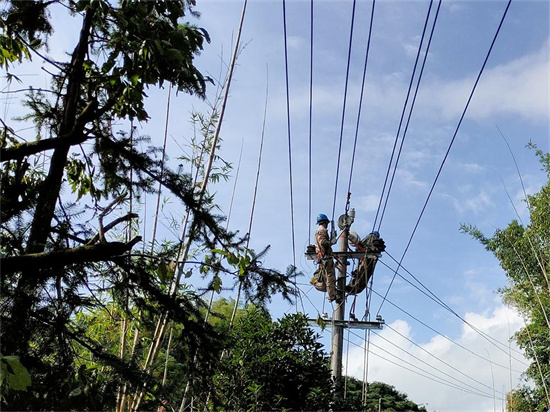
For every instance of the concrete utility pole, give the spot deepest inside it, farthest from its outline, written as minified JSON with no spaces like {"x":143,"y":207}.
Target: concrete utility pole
{"x":338,"y":315}
{"x":337,"y":322}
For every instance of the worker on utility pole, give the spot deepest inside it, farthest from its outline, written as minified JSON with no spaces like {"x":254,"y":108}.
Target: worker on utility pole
{"x":323,"y":248}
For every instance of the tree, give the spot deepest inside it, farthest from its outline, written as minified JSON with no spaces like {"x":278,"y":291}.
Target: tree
{"x":379,"y":396}
{"x":60,"y":256}
{"x":386,"y":397}
{"x":523,"y":251}
{"x":273,"y":365}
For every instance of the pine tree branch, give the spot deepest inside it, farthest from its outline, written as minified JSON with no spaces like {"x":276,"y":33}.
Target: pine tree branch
{"x":89,"y":253}
{"x":109,"y":226}
{"x":74,"y":137}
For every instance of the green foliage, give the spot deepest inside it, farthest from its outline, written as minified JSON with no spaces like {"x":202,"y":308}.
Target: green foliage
{"x":379,"y":396}
{"x":12,"y":50}
{"x":13,"y":375}
{"x":389,"y":399}
{"x":276,"y":365}
{"x":73,"y":324}
{"x":524,"y":253}
{"x":525,"y":399}
{"x":22,"y":27}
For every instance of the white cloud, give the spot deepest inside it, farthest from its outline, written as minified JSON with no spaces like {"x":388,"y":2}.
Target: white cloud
{"x":455,"y":5}
{"x":294,"y":42}
{"x":519,"y":87}
{"x":470,"y":202}
{"x":368,"y":203}
{"x":411,"y":49}
{"x":472,"y":168}
{"x":479,"y":203}
{"x":477,"y":288}
{"x":467,"y":373}
{"x":409,"y":179}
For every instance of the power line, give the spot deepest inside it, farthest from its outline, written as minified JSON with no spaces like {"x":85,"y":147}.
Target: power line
{"x":343,"y":109}
{"x":438,"y":380}
{"x":415,"y":371}
{"x":310,"y":118}
{"x":361,"y":96}
{"x":444,"y":336}
{"x":440,"y":302}
{"x":448,"y":149}
{"x":468,"y":388}
{"x":432,"y":355}
{"x":289,"y":140}
{"x":410,"y":113}
{"x":403,"y":113}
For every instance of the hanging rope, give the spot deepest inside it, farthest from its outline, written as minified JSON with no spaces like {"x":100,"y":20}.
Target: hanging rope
{"x":448,"y":150}
{"x":366,"y":340}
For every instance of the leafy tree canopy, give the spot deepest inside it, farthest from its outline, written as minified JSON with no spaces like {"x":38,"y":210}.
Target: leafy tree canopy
{"x":523,"y":250}
{"x":69,"y":207}
{"x":273,"y":365}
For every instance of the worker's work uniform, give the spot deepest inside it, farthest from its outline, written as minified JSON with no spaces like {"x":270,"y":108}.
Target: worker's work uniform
{"x":326,"y":264}
{"x":372,"y":244}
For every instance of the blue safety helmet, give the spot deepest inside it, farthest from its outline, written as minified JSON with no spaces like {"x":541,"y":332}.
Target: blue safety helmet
{"x":322,"y":218}
{"x":375,"y":233}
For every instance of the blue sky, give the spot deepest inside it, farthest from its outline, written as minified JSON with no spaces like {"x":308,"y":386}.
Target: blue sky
{"x":513,"y":94}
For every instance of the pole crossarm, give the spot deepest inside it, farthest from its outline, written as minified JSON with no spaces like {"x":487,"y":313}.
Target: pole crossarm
{"x":354,"y":255}
{"x":352,"y":324}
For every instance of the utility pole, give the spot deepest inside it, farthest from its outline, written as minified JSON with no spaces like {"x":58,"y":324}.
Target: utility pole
{"x":338,"y":315}
{"x":337,"y":322}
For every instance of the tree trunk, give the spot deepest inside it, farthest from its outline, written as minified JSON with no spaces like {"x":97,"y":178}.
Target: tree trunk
{"x":29,"y":283}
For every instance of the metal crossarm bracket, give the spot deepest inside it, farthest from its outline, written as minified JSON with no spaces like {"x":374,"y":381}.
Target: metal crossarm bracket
{"x":352,"y":324}
{"x":354,"y":255}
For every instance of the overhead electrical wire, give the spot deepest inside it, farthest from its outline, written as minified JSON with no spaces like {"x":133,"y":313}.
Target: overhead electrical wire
{"x":343,"y":109}
{"x":428,"y":375}
{"x":438,"y":380}
{"x":310,"y":119}
{"x":289,"y":134}
{"x":444,"y":336}
{"x":367,"y":335}
{"x":437,"y":300}
{"x":361,"y":95}
{"x":435,"y":357}
{"x":410,"y":114}
{"x":448,"y":149}
{"x":356,"y":134}
{"x":467,"y":387}
{"x":403,"y":113}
